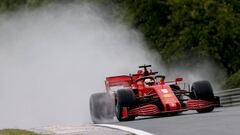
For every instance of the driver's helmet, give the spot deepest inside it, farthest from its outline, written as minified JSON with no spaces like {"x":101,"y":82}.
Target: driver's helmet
{"x":149,"y":82}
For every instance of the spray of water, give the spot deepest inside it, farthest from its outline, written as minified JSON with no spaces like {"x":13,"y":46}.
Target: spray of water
{"x":195,"y":70}
{"x":53,"y":58}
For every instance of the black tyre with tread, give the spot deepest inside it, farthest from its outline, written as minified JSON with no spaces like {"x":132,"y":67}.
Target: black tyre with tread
{"x":101,"y":107}
{"x":125,"y":98}
{"x":202,"y":90}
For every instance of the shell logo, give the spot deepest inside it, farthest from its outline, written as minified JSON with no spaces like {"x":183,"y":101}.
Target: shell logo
{"x":167,"y":95}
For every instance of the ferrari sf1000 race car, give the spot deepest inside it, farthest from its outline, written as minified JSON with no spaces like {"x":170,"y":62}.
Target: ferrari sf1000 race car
{"x":147,"y":93}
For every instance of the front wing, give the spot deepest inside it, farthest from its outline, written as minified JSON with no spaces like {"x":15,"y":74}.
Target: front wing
{"x":152,"y":109}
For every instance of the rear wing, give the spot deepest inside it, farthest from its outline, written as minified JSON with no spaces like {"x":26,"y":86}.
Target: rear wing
{"x":122,"y":80}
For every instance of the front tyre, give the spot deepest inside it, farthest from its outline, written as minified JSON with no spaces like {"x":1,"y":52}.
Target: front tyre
{"x":125,"y":98}
{"x":202,"y":90}
{"x":101,"y":107}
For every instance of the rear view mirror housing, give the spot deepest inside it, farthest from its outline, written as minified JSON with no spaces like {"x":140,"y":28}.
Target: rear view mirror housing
{"x":179,"y":79}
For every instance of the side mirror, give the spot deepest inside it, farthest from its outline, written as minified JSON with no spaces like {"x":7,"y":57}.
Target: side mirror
{"x":179,"y":79}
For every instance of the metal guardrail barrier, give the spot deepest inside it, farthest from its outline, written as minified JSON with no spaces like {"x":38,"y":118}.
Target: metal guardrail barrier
{"x":229,"y":97}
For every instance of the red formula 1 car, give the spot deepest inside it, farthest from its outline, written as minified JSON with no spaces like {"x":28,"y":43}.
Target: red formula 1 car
{"x":147,"y":93}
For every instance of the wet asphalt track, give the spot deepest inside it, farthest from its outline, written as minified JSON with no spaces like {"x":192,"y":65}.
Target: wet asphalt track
{"x":223,"y":121}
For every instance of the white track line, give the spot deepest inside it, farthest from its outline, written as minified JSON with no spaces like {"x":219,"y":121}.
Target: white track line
{"x":128,"y":129}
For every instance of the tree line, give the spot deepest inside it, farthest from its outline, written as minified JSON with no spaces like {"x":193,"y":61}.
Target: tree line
{"x":178,"y":29}
{"x":189,"y":29}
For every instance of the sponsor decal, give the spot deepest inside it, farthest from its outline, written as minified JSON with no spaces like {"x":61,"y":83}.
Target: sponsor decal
{"x":167,"y":95}
{"x":164,"y":90}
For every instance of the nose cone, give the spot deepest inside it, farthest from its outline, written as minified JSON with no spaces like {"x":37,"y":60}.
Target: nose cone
{"x":173,"y":105}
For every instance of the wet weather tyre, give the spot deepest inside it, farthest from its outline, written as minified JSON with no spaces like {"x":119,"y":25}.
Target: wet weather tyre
{"x":202,"y":90}
{"x":205,"y":110}
{"x":125,"y":98}
{"x":101,"y":107}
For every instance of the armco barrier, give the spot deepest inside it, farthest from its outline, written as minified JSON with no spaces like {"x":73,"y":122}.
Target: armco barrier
{"x":229,"y":97}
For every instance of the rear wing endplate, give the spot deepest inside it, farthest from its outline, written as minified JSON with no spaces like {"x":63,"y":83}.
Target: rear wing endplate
{"x":122,"y":80}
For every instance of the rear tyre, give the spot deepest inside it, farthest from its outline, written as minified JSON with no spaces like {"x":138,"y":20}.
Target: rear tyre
{"x":202,"y":90}
{"x":125,"y":98}
{"x":101,"y":107}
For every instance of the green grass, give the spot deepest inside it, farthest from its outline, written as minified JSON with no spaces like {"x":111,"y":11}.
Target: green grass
{"x":16,"y":132}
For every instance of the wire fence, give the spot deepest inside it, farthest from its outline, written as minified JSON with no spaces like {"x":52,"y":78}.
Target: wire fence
{"x":229,"y":97}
